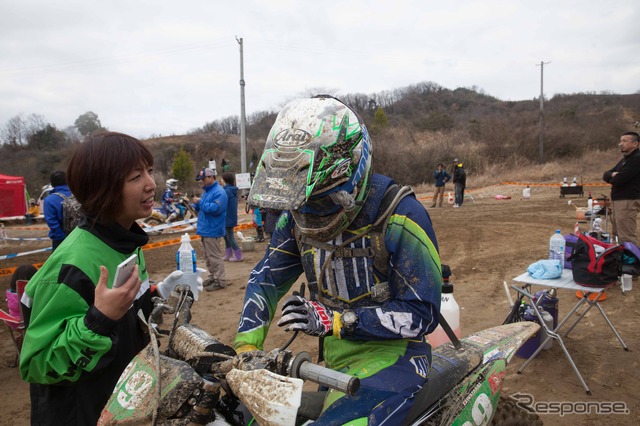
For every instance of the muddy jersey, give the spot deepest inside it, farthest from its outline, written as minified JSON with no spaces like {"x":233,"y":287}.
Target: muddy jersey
{"x":385,"y":324}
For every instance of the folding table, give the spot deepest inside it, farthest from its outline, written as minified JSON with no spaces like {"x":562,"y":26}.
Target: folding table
{"x":565,"y":282}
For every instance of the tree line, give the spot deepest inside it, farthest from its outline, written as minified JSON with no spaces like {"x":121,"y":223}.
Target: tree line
{"x":33,"y":131}
{"x":413,"y":129}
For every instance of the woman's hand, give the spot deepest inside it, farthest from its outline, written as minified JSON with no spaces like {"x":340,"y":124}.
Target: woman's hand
{"x":115,"y":302}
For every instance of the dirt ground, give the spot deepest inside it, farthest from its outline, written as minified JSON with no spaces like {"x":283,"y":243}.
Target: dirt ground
{"x":486,"y":242}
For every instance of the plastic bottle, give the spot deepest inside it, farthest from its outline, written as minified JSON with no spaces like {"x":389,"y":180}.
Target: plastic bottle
{"x":627,"y":282}
{"x":526,"y":193}
{"x":186,"y":256}
{"x":450,"y":311}
{"x":556,"y":247}
{"x":548,"y":301}
{"x":450,"y":198}
{"x":548,"y":320}
{"x":590,"y":204}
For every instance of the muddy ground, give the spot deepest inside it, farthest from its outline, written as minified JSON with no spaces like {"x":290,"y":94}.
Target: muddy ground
{"x":485,"y":242}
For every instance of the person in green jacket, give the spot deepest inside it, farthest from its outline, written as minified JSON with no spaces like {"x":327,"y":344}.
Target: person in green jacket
{"x":81,"y":332}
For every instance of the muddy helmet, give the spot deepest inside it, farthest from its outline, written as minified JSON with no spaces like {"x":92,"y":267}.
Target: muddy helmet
{"x":172,"y":184}
{"x":317,"y":164}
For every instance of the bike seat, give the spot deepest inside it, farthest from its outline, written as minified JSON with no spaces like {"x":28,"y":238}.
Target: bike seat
{"x":448,"y":367}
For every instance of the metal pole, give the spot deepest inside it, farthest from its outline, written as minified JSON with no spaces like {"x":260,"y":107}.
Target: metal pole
{"x":541,"y":133}
{"x":243,"y":135}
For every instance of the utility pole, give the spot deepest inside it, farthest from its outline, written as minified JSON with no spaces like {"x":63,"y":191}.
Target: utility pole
{"x":541,"y":134}
{"x":243,"y":135}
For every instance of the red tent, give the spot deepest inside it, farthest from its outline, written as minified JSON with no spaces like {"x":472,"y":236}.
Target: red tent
{"x":12,"y":196}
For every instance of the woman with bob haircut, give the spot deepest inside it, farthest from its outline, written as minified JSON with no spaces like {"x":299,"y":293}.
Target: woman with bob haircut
{"x":81,"y":332}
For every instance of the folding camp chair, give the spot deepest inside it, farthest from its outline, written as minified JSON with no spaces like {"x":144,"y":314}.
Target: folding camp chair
{"x":15,"y":325}
{"x":17,"y":333}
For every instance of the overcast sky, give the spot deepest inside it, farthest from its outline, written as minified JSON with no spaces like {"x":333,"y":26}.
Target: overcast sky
{"x":166,"y":67}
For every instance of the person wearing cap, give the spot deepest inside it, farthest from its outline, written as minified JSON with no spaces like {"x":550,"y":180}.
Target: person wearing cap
{"x":212,"y":213}
{"x":33,"y":212}
{"x":459,"y":182}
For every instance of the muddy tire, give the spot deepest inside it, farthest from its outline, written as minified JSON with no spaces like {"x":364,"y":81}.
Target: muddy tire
{"x":508,"y":413}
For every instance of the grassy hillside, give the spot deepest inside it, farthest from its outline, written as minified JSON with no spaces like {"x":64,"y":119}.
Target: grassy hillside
{"x":425,"y":124}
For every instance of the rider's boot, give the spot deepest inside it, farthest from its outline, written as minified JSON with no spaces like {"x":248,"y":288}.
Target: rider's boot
{"x":238,"y":256}
{"x":171,"y":217}
{"x":228,"y":253}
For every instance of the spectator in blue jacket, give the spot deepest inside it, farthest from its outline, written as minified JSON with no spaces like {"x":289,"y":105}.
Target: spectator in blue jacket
{"x":441,"y":176}
{"x":53,"y":207}
{"x":232,"y":252}
{"x":212,"y":211}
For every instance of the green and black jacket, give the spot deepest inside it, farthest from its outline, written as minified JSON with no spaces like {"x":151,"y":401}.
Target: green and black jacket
{"x":72,"y":354}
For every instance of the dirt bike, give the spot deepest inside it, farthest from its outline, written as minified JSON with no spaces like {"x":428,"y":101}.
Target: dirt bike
{"x":159,"y":215}
{"x":198,"y":380}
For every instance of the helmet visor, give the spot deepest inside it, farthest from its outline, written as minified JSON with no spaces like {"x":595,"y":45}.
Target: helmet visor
{"x":284,"y":186}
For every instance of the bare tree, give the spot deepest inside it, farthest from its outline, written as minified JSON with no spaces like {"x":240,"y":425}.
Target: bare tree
{"x":14,"y":133}
{"x":230,"y":125}
{"x":35,"y":123}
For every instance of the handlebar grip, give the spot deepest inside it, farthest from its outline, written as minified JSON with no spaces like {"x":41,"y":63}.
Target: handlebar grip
{"x":303,"y":368}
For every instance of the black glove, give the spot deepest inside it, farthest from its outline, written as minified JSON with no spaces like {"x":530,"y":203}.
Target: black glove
{"x":313,"y":318}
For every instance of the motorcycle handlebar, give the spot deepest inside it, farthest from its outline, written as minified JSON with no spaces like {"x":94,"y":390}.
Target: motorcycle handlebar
{"x":303,"y":368}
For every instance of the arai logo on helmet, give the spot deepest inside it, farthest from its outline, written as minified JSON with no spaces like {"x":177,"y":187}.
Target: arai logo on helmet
{"x":292,"y":137}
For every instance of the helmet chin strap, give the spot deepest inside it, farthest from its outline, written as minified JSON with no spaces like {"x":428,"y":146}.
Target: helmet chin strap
{"x":345,"y":199}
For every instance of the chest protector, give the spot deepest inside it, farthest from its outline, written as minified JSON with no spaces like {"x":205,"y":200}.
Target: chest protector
{"x":352,"y":270}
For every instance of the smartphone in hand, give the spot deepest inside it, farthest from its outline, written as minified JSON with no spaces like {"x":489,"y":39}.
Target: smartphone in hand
{"x":124,"y":270}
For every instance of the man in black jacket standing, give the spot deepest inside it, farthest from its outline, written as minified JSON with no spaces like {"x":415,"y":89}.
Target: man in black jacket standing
{"x":459,"y":182}
{"x":625,"y":189}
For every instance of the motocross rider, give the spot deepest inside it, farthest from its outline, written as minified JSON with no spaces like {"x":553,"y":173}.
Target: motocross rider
{"x":371,"y":311}
{"x":168,"y":200}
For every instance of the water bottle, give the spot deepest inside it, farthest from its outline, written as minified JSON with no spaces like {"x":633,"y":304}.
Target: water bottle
{"x":556,"y":247}
{"x":449,"y":309}
{"x":548,"y":301}
{"x":526,"y":193}
{"x":186,"y":256}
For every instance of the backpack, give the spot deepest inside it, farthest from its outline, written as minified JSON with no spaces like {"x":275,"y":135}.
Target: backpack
{"x":71,"y":213}
{"x":630,"y":259}
{"x":595,"y":267}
